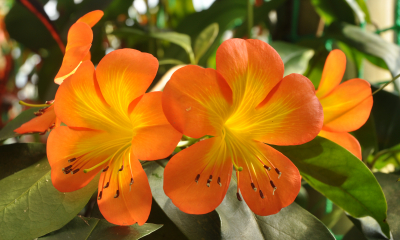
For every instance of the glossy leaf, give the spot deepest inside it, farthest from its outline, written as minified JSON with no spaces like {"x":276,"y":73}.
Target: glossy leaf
{"x":30,"y":206}
{"x":332,"y":11}
{"x":23,"y":117}
{"x":16,"y":157}
{"x":367,"y":137}
{"x":341,"y":177}
{"x":204,"y":40}
{"x":98,"y":229}
{"x":294,"y":57}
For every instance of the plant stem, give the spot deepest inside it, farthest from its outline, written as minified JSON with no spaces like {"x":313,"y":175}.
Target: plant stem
{"x":384,"y":85}
{"x":249,"y":17}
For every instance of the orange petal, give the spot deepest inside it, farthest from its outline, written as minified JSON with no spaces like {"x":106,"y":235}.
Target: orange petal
{"x":345,"y":140}
{"x":288,"y":185}
{"x":348,"y":106}
{"x":91,"y":18}
{"x":79,"y":104}
{"x":133,"y":202}
{"x":88,"y":147}
{"x":127,"y":72}
{"x":80,"y":38}
{"x":251,"y":68}
{"x":182,"y":170}
{"x":197,"y":101}
{"x":333,"y":72}
{"x":291,"y":114}
{"x":40,"y":123}
{"x":153,"y":138}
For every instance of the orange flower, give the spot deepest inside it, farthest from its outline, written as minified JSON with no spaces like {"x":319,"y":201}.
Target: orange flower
{"x":243,"y":104}
{"x":80,"y":38}
{"x":111,"y":124}
{"x":346,"y":106}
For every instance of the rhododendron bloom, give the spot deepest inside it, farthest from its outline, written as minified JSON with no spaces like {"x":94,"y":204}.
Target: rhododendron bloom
{"x":243,"y":104}
{"x":111,"y":124}
{"x":80,"y":37}
{"x":347,"y":106}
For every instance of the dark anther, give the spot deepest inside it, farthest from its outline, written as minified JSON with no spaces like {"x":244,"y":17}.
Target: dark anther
{"x":210,"y":178}
{"x":238,"y":196}
{"x":105,"y":169}
{"x":131,"y":181}
{"x":116,"y":194}
{"x":38,"y":113}
{"x":107,"y":184}
{"x":43,"y":109}
{"x":122,"y":168}
{"x":52,"y":126}
{"x":67,"y":167}
{"x":68,"y":171}
{"x":253,"y":187}
{"x":100,"y":194}
{"x":197,"y":178}
{"x":219,"y":182}
{"x":261,"y":194}
{"x":208,"y":182}
{"x":266,"y":167}
{"x":75,"y":171}
{"x":278,"y":172}
{"x":49,"y":102}
{"x":72,"y":159}
{"x":43,"y":133}
{"x":272,"y":184}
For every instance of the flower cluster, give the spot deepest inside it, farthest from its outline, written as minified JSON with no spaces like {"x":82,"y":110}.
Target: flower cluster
{"x":237,"y":111}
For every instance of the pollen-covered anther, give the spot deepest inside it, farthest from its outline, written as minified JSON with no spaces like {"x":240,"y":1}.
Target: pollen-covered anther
{"x":278,"y":172}
{"x":75,"y":171}
{"x":238,"y":196}
{"x":266,"y":167}
{"x":131,"y":181}
{"x":261,"y":194}
{"x":105,"y":169}
{"x":253,"y":187}
{"x":67,"y":168}
{"x":122,"y":168}
{"x":219,"y":181}
{"x":100,"y":195}
{"x":43,"y":109}
{"x":72,"y":159}
{"x":209,"y":181}
{"x":38,"y":113}
{"x":107,"y":184}
{"x":197,"y":178}
{"x":116,"y":194}
{"x":273,"y":186}
{"x":49,"y":102}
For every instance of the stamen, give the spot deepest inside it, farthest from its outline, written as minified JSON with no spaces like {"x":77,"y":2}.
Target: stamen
{"x":38,"y":113}
{"x":35,"y":105}
{"x":43,"y":109}
{"x":219,"y":182}
{"x":107,"y":184}
{"x":197,"y":178}
{"x":122,"y":168}
{"x":49,"y":102}
{"x":75,"y":171}
{"x":116,"y":194}
{"x":238,"y":196}
{"x":273,"y":186}
{"x":52,"y":126}
{"x":105,"y":169}
{"x":72,"y":159}
{"x":67,"y":167}
{"x":261,"y":194}
{"x":131,"y":181}
{"x":96,"y":166}
{"x":67,"y":171}
{"x":209,"y":181}
{"x":100,"y":195}
{"x":43,"y":133}
{"x":254,"y":187}
{"x":266,"y":167}
{"x":278,"y":172}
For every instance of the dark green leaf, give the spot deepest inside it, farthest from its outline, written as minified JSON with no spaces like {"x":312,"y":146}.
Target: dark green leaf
{"x":366,"y":135}
{"x":341,"y":177}
{"x":332,"y":11}
{"x":16,"y":157}
{"x":354,"y":233}
{"x":30,"y":206}
{"x":361,"y":11}
{"x":204,"y":40}
{"x":294,"y":57}
{"x":363,"y":5}
{"x":23,"y":117}
{"x":98,"y":229}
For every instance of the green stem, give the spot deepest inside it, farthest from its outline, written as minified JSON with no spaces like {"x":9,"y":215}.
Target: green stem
{"x":384,"y":85}
{"x":249,"y":17}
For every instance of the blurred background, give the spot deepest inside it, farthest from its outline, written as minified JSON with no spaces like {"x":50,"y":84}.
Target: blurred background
{"x":189,"y":32}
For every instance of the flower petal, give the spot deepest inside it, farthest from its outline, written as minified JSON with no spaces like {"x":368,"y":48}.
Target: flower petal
{"x":291,"y":114}
{"x":153,"y":137}
{"x":288,"y":185}
{"x":333,"y":72}
{"x":40,"y":123}
{"x":251,"y":68}
{"x":132,"y":203}
{"x":345,"y":140}
{"x":196,"y":101}
{"x":205,"y":158}
{"x":80,"y":37}
{"x":78,"y":103}
{"x":348,"y":106}
{"x":127,"y":72}
{"x":88,"y":147}
{"x":91,"y":18}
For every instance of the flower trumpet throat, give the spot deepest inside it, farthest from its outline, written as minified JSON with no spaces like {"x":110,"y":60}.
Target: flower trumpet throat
{"x":245,"y":103}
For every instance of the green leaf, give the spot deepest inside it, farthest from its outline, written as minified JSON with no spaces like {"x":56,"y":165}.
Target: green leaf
{"x":332,"y":11}
{"x":180,"y":39}
{"x":360,"y":12}
{"x":16,"y":157}
{"x":294,"y":57}
{"x":366,"y":135}
{"x":341,"y":177}
{"x":30,"y":206}
{"x":205,"y":39}
{"x":236,"y":218}
{"x":363,"y":6}
{"x":96,"y":229}
{"x":23,"y":117}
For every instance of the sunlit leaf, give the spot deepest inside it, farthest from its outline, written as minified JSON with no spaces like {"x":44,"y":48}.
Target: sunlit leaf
{"x":204,"y":40}
{"x":332,"y":11}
